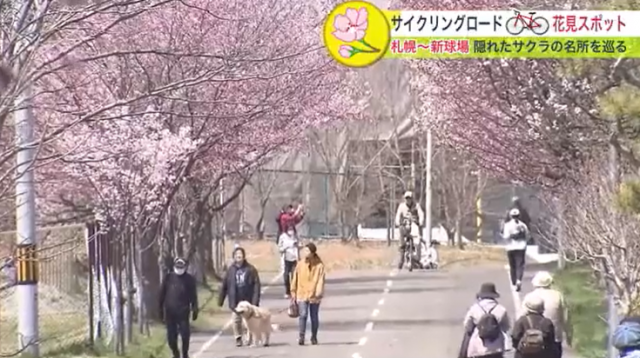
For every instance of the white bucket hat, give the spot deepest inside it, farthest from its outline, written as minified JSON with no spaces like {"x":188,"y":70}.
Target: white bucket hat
{"x":408,"y":194}
{"x":542,"y":279}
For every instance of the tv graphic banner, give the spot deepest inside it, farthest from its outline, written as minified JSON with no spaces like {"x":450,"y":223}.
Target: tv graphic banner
{"x":357,"y":34}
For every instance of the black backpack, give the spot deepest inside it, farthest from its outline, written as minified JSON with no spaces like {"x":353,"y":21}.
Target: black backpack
{"x":488,"y":326}
{"x":532,"y":341}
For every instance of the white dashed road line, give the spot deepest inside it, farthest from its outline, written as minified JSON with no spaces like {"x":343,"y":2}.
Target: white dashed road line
{"x":228,"y":324}
{"x":517,"y":302}
{"x":375,"y":313}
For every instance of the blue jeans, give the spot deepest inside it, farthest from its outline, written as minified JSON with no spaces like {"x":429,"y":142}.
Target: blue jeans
{"x":310,"y":310}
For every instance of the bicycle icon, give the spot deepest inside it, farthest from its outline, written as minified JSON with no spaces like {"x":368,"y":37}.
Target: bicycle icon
{"x":517,"y":24}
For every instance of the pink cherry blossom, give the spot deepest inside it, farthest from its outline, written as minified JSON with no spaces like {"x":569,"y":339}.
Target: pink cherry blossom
{"x":345,"y":51}
{"x":140,"y":119}
{"x":352,"y":26}
{"x":526,"y":123}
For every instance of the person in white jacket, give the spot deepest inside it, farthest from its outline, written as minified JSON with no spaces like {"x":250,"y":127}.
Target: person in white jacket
{"x":290,"y":250}
{"x":516,"y":234}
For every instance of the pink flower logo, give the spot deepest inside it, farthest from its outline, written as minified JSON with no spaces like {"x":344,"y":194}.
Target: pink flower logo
{"x":352,"y":27}
{"x":345,"y":51}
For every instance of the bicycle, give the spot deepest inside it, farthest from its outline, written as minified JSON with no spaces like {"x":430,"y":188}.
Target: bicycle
{"x":410,"y":251}
{"x":517,"y":24}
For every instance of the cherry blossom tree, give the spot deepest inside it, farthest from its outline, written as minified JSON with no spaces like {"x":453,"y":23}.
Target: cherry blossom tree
{"x":533,"y":120}
{"x":198,"y":95}
{"x":600,"y":233}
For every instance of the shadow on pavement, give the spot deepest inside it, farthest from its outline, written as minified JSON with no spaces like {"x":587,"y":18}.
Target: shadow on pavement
{"x":290,"y":325}
{"x":338,"y":343}
{"x":340,"y":308}
{"x":363,"y":291}
{"x":376,"y":278}
{"x":402,"y":324}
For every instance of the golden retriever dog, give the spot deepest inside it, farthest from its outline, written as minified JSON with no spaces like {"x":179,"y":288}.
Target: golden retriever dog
{"x":257,"y":320}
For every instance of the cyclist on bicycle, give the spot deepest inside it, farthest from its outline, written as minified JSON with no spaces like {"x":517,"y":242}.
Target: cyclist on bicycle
{"x":408,"y":211}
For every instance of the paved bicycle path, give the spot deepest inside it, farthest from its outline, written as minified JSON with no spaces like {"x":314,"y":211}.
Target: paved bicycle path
{"x":374,"y":314}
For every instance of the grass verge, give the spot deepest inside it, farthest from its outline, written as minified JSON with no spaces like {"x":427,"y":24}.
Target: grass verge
{"x":586,"y":309}
{"x":153,"y":345}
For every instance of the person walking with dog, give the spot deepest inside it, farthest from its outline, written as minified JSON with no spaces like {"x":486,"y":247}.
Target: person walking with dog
{"x":533,"y":335}
{"x":485,"y":325}
{"x":516,"y":234}
{"x":288,"y":247}
{"x":178,"y":300}
{"x":307,"y":290}
{"x":242,"y":283}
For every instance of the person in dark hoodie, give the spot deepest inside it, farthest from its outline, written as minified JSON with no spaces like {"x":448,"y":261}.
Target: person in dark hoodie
{"x":242,"y":283}
{"x":178,"y":299}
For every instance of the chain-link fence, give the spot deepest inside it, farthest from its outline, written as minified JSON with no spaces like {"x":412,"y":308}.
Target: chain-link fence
{"x":336,"y":203}
{"x":62,"y":293}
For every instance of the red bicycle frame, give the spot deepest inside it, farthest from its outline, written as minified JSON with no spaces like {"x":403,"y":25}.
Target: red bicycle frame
{"x":527,"y":21}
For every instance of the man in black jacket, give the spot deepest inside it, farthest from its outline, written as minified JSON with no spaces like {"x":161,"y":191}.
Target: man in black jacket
{"x":178,"y":299}
{"x":242,"y":283}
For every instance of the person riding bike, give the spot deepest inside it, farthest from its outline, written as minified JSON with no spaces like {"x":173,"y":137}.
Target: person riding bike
{"x":409,"y":211}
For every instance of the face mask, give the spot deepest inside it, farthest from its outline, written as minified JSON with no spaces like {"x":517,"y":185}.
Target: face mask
{"x":179,"y":271}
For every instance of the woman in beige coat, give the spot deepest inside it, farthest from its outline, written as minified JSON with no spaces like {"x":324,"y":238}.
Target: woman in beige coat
{"x":555,"y":308}
{"x":486,"y":302}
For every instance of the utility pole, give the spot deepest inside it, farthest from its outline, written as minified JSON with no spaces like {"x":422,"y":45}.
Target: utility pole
{"x":427,"y":193}
{"x":479,"y":207}
{"x":24,"y":121}
{"x":412,"y":186}
{"x":27,"y":283}
{"x":614,"y":178}
{"x":223,"y":223}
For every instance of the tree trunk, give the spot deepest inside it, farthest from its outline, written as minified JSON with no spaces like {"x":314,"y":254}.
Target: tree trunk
{"x":151,"y":266}
{"x":457,"y":234}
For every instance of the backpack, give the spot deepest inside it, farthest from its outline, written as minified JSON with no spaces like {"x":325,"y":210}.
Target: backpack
{"x":521,"y":234}
{"x":488,"y":326}
{"x":532,"y":341}
{"x":626,"y":335}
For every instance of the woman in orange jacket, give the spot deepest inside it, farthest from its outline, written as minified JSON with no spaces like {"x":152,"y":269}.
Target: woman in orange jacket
{"x":307,"y":289}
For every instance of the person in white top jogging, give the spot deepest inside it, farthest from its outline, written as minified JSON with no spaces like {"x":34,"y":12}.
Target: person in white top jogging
{"x":516,"y":234}
{"x":289,"y":249}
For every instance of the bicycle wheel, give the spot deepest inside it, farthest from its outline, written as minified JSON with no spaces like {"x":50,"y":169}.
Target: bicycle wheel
{"x":514,"y":26}
{"x":543,"y":26}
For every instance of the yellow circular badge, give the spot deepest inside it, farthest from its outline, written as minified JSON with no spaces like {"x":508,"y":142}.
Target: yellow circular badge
{"x":357,"y":34}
